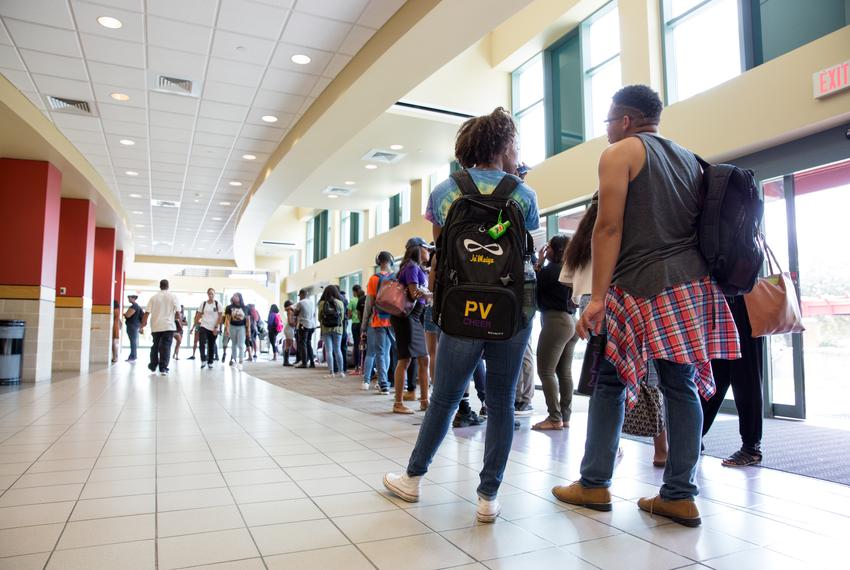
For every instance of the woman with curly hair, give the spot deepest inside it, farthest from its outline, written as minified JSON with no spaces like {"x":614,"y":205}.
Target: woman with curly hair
{"x":487,"y":148}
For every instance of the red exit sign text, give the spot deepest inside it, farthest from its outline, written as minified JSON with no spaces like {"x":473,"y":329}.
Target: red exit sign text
{"x":832,"y":79}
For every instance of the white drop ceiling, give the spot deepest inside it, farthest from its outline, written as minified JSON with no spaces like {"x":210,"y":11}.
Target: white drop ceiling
{"x":186,"y":149}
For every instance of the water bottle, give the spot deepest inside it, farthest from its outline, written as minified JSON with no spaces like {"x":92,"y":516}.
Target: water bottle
{"x":529,"y":291}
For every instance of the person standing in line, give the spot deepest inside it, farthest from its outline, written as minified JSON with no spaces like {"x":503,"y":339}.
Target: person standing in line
{"x":745,"y":377}
{"x":346,"y":321}
{"x":525,"y":386}
{"x":237,"y":322}
{"x":654,"y":295}
{"x":354,"y":315}
{"x":410,"y":330}
{"x":116,"y":330}
{"x":180,"y":324}
{"x":487,"y":148}
{"x":289,"y":332}
{"x":305,"y":311}
{"x":133,"y":321}
{"x":275,"y":325}
{"x":256,"y":324}
{"x":162,"y":311}
{"x":557,"y":336}
{"x":331,"y":309}
{"x":208,"y":320}
{"x":377,"y":326}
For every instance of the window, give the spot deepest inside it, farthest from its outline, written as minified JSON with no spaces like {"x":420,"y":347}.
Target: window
{"x":602,"y":78}
{"x":702,"y":45}
{"x":309,"y":244}
{"x":529,"y":110}
{"x":349,"y":229}
{"x":294,"y":265}
{"x":318,"y":230}
{"x":346,"y":282}
{"x":382,"y":217}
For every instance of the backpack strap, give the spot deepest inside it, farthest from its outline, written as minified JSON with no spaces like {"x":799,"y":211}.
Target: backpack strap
{"x":506,"y":186}
{"x":465,"y":182}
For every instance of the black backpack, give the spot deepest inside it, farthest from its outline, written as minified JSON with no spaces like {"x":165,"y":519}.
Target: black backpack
{"x":730,"y":226}
{"x":330,"y":314}
{"x":479,"y":280}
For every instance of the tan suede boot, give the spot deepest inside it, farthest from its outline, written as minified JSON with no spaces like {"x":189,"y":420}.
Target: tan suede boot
{"x":598,"y":499}
{"x":682,"y":511}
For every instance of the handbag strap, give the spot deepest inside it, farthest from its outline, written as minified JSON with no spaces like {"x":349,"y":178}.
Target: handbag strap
{"x":771,"y":258}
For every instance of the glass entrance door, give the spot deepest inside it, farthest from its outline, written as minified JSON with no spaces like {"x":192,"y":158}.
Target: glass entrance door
{"x":806,"y":227}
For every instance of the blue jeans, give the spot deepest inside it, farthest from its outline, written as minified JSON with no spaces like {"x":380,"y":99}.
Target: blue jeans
{"x":333,"y":342}
{"x":133,"y":335}
{"x":684,"y":428}
{"x":377,"y":354}
{"x":457,"y":358}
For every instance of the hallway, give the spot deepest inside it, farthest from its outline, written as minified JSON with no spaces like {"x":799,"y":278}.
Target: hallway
{"x":120,"y":468}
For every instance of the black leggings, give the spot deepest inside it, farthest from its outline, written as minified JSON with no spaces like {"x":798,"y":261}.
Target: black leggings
{"x":207,"y":345}
{"x":273,"y":341}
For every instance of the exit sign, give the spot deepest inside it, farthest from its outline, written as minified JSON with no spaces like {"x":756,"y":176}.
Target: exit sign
{"x":832,"y":79}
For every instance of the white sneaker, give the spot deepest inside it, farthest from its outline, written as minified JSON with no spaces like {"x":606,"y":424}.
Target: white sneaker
{"x":403,"y":486}
{"x":364,"y":385}
{"x":488,"y":510}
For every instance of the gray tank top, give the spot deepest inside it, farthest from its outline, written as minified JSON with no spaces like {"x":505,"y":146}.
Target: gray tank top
{"x":659,"y":246}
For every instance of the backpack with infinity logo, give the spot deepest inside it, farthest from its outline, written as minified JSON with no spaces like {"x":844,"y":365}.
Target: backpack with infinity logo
{"x":481,"y":250}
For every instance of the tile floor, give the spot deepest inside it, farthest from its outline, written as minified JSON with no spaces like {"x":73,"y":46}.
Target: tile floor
{"x":120,"y":469}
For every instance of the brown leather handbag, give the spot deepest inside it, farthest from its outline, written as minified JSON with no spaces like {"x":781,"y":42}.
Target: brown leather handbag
{"x":772,"y":304}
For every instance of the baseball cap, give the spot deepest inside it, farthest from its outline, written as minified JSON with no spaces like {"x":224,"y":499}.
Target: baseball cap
{"x":418,"y":242}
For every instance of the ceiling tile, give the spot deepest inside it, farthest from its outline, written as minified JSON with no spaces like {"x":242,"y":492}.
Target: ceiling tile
{"x":90,"y":148}
{"x":206,"y":161}
{"x":165,"y":167}
{"x":216,"y":152}
{"x":58,"y":87}
{"x":77,"y":122}
{"x":200,"y":12}
{"x":227,"y":92}
{"x":20,"y":79}
{"x":4,"y":37}
{"x":175,"y":148}
{"x":132,"y":5}
{"x":239,"y":47}
{"x":171,"y":120}
{"x":211,"y":139}
{"x":167,"y":157}
{"x":378,"y":12}
{"x":108,"y":50}
{"x":48,"y":12}
{"x":319,"y":59}
{"x":86,"y":15}
{"x":345,"y":10}
{"x":263,"y":133}
{"x":320,"y":86}
{"x":122,"y":113}
{"x":168,"y":134}
{"x":131,"y":77}
{"x":180,"y":36}
{"x":9,"y":58}
{"x":288,"y":82}
{"x":246,"y":144}
{"x":256,"y":114}
{"x":278,"y":101}
{"x":103,"y":93}
{"x":124,"y":128}
{"x":315,"y":32}
{"x":42,"y":38}
{"x":356,"y":39}
{"x":251,"y":18}
{"x":176,"y":63}
{"x":231,"y":128}
{"x":172,"y":103}
{"x":337,"y":64}
{"x":223,"y":111}
{"x":86,"y":137}
{"x":234,"y":72}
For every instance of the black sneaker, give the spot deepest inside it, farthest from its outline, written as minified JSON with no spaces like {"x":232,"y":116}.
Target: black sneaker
{"x":483,"y":411}
{"x":467,"y":420}
{"x":191,"y":358}
{"x":523,"y":409}
{"x":152,"y":367}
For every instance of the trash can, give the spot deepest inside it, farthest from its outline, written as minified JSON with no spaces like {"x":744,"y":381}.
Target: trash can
{"x":11,"y":352}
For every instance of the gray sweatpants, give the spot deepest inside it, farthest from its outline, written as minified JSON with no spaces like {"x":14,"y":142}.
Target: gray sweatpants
{"x":555,"y":349}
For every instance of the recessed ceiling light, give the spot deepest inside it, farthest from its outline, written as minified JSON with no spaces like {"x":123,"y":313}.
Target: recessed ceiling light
{"x":138,"y":212}
{"x":396,"y":147}
{"x":235,"y":183}
{"x":224,"y":203}
{"x":127,"y":142}
{"x":300,"y":59}
{"x":350,"y":182}
{"x":332,"y":197}
{"x":216,"y":219}
{"x":109,"y":22}
{"x":135,"y":195}
{"x":371,"y":166}
{"x":249,"y":157}
{"x":269,"y":118}
{"x":120,"y":96}
{"x":131,"y":173}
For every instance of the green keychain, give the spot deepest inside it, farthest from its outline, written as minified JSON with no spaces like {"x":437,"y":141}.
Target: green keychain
{"x":500,"y":228}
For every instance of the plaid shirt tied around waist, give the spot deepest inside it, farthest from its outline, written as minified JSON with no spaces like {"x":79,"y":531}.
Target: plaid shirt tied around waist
{"x":688,"y":323}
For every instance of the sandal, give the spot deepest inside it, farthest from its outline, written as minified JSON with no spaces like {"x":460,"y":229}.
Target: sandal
{"x":548,"y":424}
{"x":659,"y":462}
{"x":399,"y":408}
{"x":742,"y":458}
{"x":423,"y":405}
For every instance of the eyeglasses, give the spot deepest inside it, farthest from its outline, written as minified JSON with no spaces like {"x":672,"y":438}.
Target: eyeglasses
{"x":609,"y":121}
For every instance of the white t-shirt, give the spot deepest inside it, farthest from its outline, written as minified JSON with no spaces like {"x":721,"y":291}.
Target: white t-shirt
{"x":210,"y":313}
{"x":162,"y":307}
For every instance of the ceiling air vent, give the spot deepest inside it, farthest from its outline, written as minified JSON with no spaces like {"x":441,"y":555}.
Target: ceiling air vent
{"x":280,"y":244}
{"x":337,"y":191}
{"x":165,"y":203}
{"x":72,"y":106}
{"x":174,"y":85}
{"x":383,"y":156}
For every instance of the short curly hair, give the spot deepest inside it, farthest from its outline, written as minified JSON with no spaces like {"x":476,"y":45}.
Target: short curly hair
{"x":481,"y":139}
{"x":641,"y":98}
